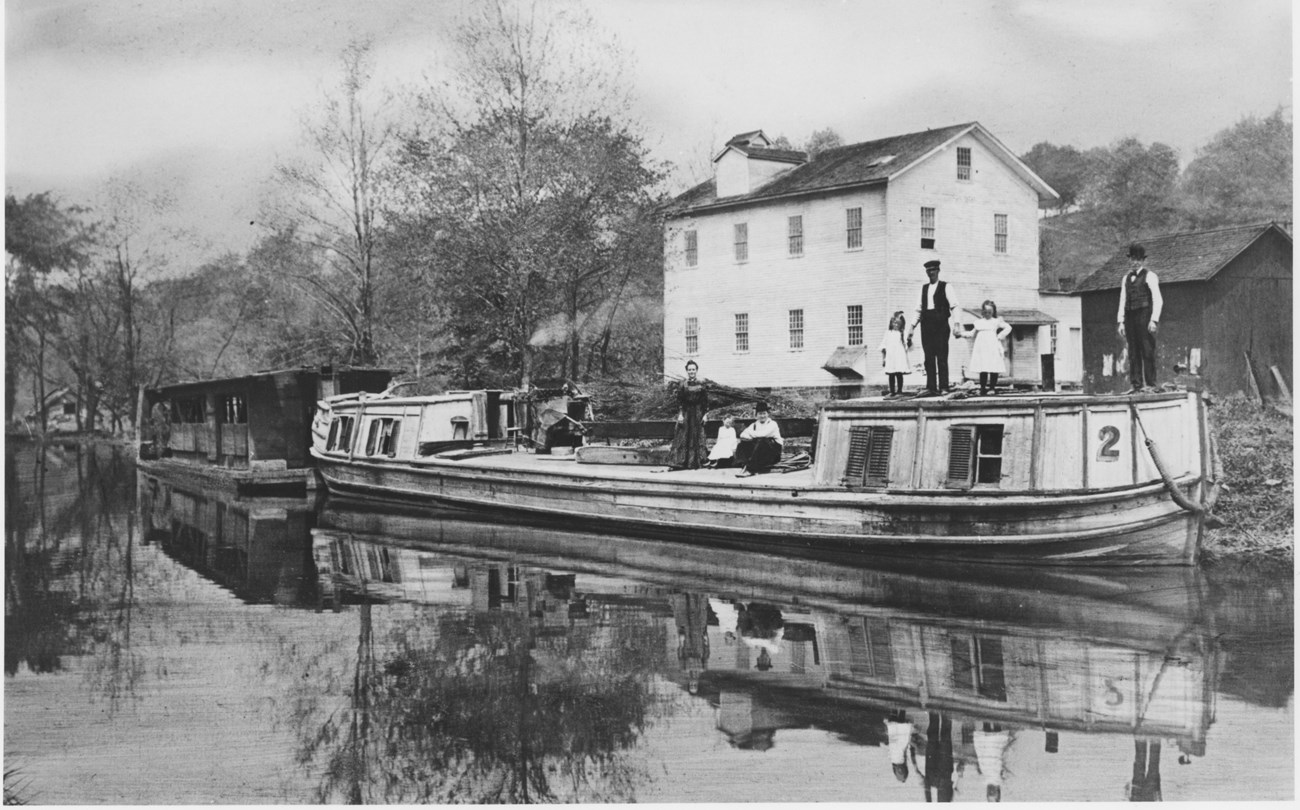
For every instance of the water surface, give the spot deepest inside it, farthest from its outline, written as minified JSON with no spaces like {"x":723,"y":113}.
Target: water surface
{"x":170,"y":646}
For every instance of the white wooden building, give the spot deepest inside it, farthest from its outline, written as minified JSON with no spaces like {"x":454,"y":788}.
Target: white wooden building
{"x":783,"y":272}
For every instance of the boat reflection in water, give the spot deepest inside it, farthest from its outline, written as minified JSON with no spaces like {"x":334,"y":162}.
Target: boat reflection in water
{"x":945,"y":673}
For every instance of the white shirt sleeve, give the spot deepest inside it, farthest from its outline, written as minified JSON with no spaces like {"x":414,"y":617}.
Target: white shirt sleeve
{"x":1157,"y":302}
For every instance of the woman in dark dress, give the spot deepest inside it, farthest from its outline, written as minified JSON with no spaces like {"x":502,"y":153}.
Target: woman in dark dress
{"x":689,"y":451}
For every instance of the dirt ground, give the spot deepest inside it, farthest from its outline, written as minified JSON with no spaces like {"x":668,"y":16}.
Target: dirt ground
{"x":1257,"y":505}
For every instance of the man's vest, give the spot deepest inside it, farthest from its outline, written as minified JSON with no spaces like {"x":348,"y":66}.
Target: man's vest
{"x":1137,"y":295}
{"x":940,"y":299}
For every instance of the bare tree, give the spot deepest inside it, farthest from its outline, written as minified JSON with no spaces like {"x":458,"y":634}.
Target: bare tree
{"x":333,"y":197}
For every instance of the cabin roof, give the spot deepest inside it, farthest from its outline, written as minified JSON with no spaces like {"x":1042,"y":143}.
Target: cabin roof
{"x":1019,"y":316}
{"x":318,"y":370}
{"x":1194,"y":256}
{"x":858,"y":164}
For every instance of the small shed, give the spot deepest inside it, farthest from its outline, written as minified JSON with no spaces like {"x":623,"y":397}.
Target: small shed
{"x":1227,"y":311}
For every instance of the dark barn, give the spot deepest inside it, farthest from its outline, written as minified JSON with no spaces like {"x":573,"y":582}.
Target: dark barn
{"x":1227,"y":311}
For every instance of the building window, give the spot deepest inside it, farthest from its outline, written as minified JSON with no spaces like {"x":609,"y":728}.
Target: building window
{"x":742,"y":241}
{"x":233,"y":410}
{"x":692,"y":335}
{"x":975,"y":455}
{"x":855,"y":324}
{"x":869,"y":451}
{"x":927,"y":228}
{"x":69,"y":409}
{"x":999,"y":233}
{"x":189,"y":410}
{"x":963,"y":163}
{"x":340,"y":437}
{"x":692,"y":249}
{"x":382,"y":440}
{"x":796,"y":236}
{"x":1052,"y":329}
{"x":796,"y":329}
{"x":742,"y":331}
{"x":853,"y":223}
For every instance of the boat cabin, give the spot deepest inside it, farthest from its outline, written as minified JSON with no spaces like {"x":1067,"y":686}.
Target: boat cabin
{"x":254,"y":422}
{"x":1033,"y":443}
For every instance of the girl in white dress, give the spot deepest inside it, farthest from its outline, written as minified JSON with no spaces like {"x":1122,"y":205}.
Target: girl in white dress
{"x":987,"y":356}
{"x":893,"y":353}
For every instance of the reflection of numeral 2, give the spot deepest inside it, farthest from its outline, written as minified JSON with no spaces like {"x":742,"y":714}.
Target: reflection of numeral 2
{"x":1109,"y":435}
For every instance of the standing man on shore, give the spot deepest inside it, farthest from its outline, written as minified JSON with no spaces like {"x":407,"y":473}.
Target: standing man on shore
{"x":1139,"y":319}
{"x":935,"y":317}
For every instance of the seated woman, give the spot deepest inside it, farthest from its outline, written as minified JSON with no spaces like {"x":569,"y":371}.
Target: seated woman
{"x":725,"y":446}
{"x":760,"y":444}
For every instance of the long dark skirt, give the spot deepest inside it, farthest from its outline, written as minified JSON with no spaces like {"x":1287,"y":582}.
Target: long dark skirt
{"x":758,"y":455}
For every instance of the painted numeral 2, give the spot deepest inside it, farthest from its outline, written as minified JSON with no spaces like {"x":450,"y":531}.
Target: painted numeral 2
{"x":1109,"y":436}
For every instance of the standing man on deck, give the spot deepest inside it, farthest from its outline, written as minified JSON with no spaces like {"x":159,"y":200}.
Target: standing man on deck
{"x":1139,"y":319}
{"x":935,"y":317}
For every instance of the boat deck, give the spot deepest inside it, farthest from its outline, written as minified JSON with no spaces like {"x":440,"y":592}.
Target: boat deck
{"x":569,"y":467}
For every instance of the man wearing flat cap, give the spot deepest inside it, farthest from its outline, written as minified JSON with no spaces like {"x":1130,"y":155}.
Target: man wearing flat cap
{"x":936,"y":316}
{"x":1140,"y":304}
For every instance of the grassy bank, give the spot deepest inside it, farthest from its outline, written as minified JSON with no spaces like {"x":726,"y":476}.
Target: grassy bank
{"x":1256,"y":445}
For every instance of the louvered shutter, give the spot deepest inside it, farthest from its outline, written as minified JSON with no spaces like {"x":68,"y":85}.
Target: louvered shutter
{"x":882,"y":442}
{"x":961,"y":455}
{"x":859,"y":443}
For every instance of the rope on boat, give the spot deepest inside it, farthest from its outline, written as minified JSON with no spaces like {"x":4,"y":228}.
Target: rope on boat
{"x":1178,"y":496}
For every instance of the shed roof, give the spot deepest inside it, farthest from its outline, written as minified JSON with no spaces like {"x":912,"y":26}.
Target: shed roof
{"x":1193,"y":256}
{"x":858,"y":164}
{"x":1019,"y":317}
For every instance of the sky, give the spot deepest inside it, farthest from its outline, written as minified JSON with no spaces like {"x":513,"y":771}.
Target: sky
{"x":202,"y":97}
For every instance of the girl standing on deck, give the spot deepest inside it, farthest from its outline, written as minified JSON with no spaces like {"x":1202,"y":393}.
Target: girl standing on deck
{"x":893,"y":353}
{"x":987,"y":357}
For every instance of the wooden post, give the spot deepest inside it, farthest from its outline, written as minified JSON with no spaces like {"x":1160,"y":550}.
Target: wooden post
{"x":1281,"y":383}
{"x":1251,"y":383}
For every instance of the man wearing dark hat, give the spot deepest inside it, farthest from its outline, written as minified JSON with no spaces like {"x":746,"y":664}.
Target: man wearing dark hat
{"x":760,"y":444}
{"x":1139,"y":319}
{"x":935,"y":317}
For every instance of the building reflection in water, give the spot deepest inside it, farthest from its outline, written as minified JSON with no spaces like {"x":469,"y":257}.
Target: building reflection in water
{"x":949,"y":674}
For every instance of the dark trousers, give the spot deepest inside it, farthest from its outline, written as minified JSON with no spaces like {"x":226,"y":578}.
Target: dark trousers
{"x":1141,"y":347}
{"x":988,"y":380}
{"x":896,"y":382}
{"x":758,"y":455}
{"x":935,"y":332}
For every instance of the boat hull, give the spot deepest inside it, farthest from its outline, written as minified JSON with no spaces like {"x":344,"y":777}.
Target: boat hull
{"x":1139,"y":525}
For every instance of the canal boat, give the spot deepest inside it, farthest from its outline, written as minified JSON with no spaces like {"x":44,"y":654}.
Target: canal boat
{"x":1028,"y":478}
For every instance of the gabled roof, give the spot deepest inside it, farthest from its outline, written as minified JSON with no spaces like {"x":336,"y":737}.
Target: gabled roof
{"x":1194,"y":256}
{"x":745,"y":137}
{"x":784,"y":155}
{"x":858,"y":164}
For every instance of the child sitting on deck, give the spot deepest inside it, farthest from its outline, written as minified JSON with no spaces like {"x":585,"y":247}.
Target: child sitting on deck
{"x":725,"y":446}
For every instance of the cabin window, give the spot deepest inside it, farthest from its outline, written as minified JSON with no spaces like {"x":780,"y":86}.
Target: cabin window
{"x":975,"y":455}
{"x":692,"y":249}
{"x":692,"y":335}
{"x":382,"y":440}
{"x":742,"y":331}
{"x":742,"y":241}
{"x":855,"y":324}
{"x":795,"y":237}
{"x":796,"y":329}
{"x":999,"y":233}
{"x":188,"y":410}
{"x":340,"y":437}
{"x":69,"y":409}
{"x":233,"y":410}
{"x":869,"y":451}
{"x":853,"y":226}
{"x":963,"y":163}
{"x":927,"y":228}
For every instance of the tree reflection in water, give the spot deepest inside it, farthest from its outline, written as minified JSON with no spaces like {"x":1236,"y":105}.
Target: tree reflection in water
{"x":486,"y":707}
{"x":69,"y":564}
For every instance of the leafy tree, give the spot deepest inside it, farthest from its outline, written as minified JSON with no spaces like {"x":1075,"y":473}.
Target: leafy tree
{"x":1064,"y":168}
{"x":1133,"y":188}
{"x":333,"y":200}
{"x":821,"y":140}
{"x":1243,"y":174}
{"x":522,"y":193}
{"x":42,"y":239}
